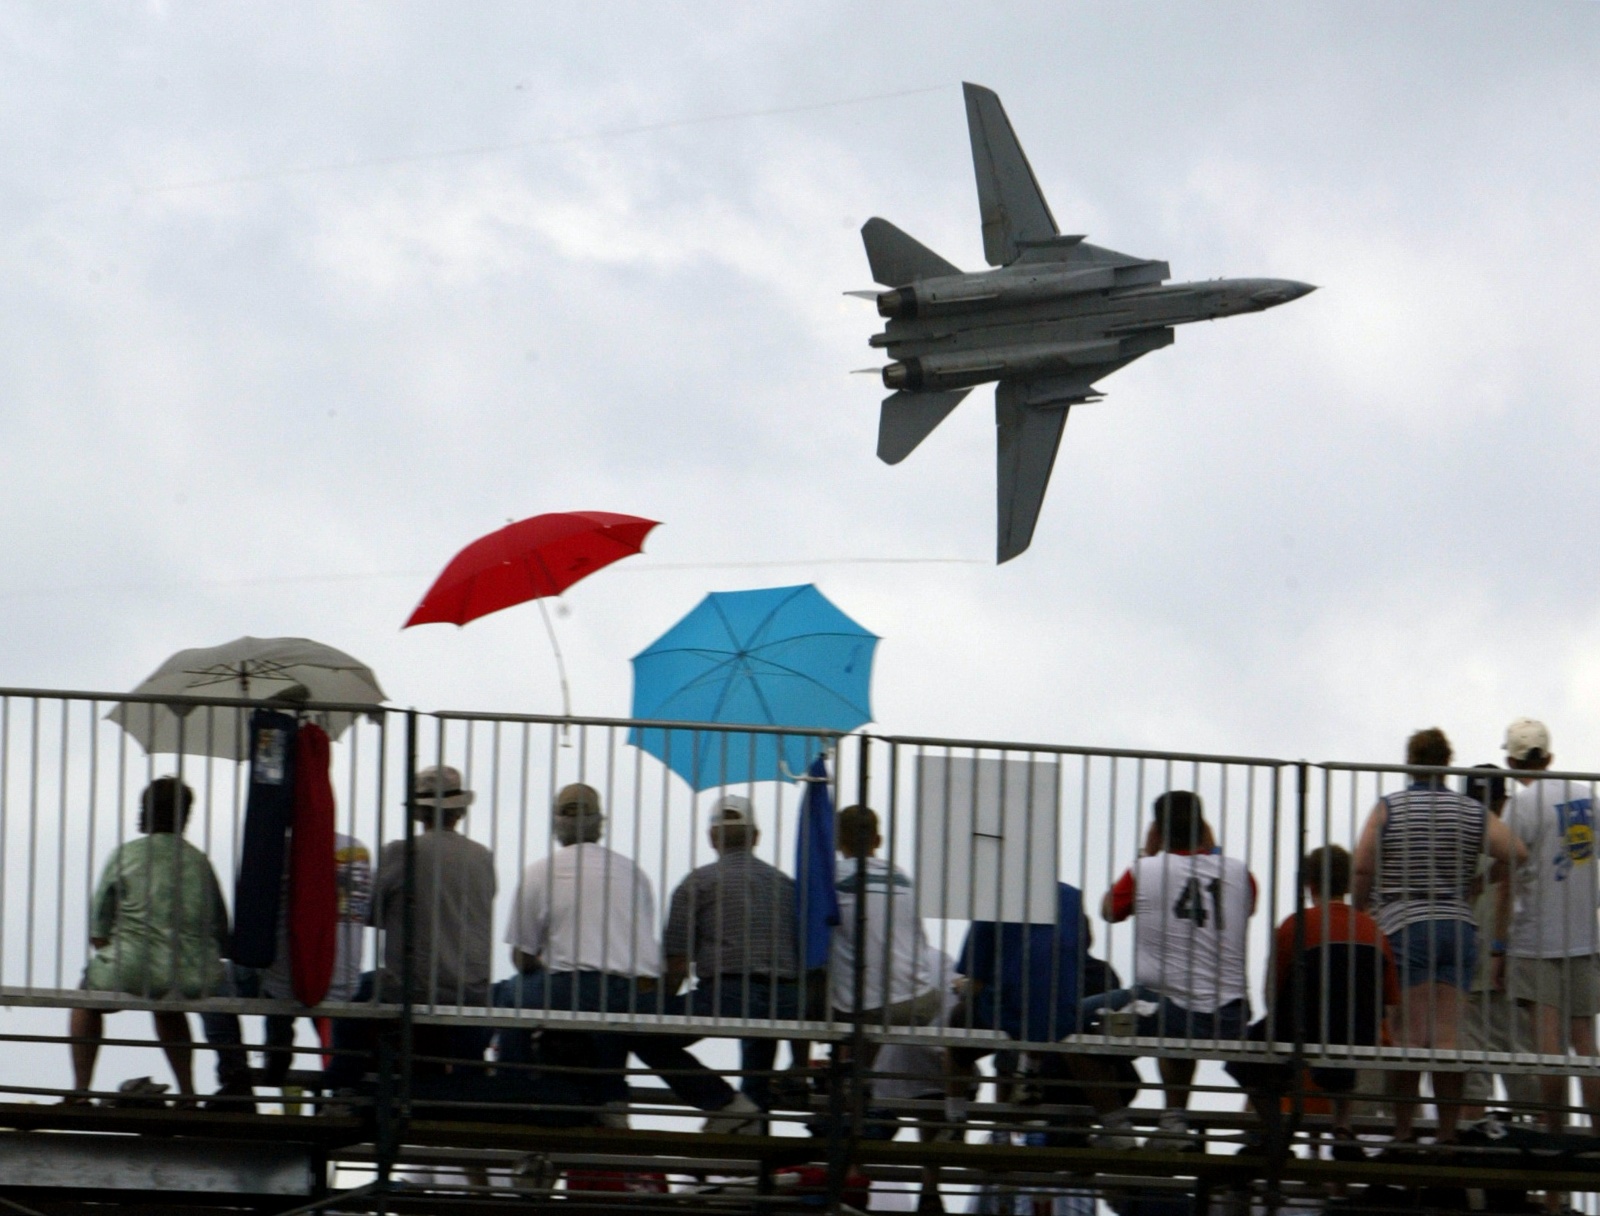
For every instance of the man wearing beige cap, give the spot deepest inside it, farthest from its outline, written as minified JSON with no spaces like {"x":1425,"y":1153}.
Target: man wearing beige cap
{"x":733,"y":920}
{"x":582,"y":937}
{"x":1549,"y":965}
{"x":454,"y":911}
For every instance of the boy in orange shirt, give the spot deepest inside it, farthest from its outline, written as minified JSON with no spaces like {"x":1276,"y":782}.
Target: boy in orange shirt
{"x":1335,"y":986}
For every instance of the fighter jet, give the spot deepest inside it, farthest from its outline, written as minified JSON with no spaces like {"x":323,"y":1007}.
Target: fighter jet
{"x":1058,"y":315}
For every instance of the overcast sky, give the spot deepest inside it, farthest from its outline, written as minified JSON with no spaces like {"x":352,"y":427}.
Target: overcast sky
{"x":298,"y":299}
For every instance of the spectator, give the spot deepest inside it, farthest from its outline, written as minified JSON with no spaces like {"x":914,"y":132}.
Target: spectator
{"x":454,"y":890}
{"x":1191,"y":906}
{"x":1550,"y":967}
{"x":1331,"y":975}
{"x":733,"y":919}
{"x":159,"y":929}
{"x":1021,"y":979}
{"x":582,"y":937}
{"x":1493,"y":1022}
{"x":1414,"y":867}
{"x":353,"y":881}
{"x":901,"y":971}
{"x":452,"y":927}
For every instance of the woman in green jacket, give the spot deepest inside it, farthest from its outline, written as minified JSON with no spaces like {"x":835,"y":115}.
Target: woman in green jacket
{"x":159,"y":930}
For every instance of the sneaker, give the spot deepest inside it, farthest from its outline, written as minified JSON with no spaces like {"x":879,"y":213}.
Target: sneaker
{"x":1345,"y":1147}
{"x":740,"y":1117}
{"x":232,"y":1097}
{"x":1176,"y":1135}
{"x":1115,"y":1138}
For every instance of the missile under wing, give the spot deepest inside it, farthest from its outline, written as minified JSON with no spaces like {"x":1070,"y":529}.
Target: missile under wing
{"x":1056,"y":315}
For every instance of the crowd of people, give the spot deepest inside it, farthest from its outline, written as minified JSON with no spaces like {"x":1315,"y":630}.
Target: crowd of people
{"x":1461,"y":918}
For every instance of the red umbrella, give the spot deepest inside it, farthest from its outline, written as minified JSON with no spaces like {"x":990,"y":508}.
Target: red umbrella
{"x":528,"y":561}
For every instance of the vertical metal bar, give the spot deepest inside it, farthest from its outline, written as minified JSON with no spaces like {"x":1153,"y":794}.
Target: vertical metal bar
{"x":398,"y":1111}
{"x":94,"y":807}
{"x":33,"y":834}
{"x":61,"y":838}
{"x":843,"y":1149}
{"x":1279,"y":1152}
{"x":5,"y":819}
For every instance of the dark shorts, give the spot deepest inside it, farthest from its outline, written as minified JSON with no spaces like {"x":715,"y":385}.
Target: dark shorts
{"x":1279,"y":1078}
{"x":1436,"y":952}
{"x":1161,"y":1017}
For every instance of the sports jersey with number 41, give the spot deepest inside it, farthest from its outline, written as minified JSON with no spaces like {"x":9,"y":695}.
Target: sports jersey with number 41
{"x":1190,"y":915}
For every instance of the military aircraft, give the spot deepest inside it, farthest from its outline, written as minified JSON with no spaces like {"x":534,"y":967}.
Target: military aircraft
{"x":1057,"y":315}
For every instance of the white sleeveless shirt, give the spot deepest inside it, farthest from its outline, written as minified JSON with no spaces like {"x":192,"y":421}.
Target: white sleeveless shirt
{"x":1190,"y":917}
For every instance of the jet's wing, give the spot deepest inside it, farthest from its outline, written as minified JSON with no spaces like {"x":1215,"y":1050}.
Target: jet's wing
{"x":1009,"y":197}
{"x":1029,"y":417}
{"x":908,"y":418}
{"x":1026,"y":441}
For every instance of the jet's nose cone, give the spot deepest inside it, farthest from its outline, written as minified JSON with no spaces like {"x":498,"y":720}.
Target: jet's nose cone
{"x":1281,"y":291}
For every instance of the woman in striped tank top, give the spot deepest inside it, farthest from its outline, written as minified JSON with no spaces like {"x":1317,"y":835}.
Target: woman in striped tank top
{"x":1415,"y":863}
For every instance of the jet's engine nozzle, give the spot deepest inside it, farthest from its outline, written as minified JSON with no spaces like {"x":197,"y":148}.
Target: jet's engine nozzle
{"x":900,"y":303}
{"x":906,"y":374}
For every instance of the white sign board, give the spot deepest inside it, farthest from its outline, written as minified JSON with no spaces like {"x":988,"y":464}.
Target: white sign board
{"x":987,"y":839}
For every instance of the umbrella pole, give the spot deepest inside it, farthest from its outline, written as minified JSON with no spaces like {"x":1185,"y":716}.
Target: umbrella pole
{"x":561,"y":666}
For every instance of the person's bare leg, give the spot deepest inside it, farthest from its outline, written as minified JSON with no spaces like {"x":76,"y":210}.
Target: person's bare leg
{"x":1177,"y":1075}
{"x":87,"y":1027}
{"x":961,"y":1086}
{"x":1405,"y":1086}
{"x":172,"y":1029}
{"x":1582,"y":1031}
{"x":1434,"y":1021}
{"x":1098,"y":1080}
{"x":1341,"y":1114}
{"x":1552,"y":1087}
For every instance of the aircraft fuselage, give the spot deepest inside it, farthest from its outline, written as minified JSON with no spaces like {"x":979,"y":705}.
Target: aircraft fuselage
{"x":964,"y":330}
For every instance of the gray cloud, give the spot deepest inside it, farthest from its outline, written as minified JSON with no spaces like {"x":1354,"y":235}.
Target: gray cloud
{"x":1302,"y":533}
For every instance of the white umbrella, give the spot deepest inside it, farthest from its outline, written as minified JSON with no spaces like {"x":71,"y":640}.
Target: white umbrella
{"x":287,"y":669}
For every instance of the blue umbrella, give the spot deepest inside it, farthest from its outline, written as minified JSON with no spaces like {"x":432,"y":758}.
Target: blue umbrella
{"x":780,"y":656}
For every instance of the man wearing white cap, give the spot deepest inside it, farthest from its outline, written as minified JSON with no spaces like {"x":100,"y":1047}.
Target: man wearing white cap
{"x":582,"y":936}
{"x":733,"y":919}
{"x":1550,"y":966}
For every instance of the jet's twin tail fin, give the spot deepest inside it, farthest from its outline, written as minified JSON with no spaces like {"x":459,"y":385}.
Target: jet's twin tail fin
{"x":909,"y":418}
{"x":897,"y":259}
{"x":1009,"y":198}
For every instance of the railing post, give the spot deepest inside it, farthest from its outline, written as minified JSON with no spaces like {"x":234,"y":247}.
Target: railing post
{"x":847,"y":1138}
{"x":1279,"y":1152}
{"x":394,"y":1067}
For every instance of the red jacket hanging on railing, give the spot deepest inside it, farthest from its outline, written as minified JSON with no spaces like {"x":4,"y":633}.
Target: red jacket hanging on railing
{"x":313,"y":888}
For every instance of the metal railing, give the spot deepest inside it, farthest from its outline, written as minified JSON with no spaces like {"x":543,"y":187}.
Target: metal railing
{"x":976,"y":841}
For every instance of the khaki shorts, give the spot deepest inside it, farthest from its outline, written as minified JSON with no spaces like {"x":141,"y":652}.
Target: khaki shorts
{"x":1571,"y":985}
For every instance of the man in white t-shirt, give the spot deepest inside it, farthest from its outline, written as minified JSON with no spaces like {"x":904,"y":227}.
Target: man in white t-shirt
{"x":910,"y":991}
{"x":1550,"y":966}
{"x":1191,"y":908}
{"x":582,"y":936}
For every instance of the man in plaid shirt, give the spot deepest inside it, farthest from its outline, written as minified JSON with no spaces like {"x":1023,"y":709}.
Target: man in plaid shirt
{"x":734,"y":919}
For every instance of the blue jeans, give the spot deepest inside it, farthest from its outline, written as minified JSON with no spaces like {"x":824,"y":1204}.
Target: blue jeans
{"x":356,"y":1039}
{"x":667,"y":1056}
{"x":749,"y":996}
{"x":226,"y":1036}
{"x":1436,"y":952}
{"x":1169,"y":1019}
